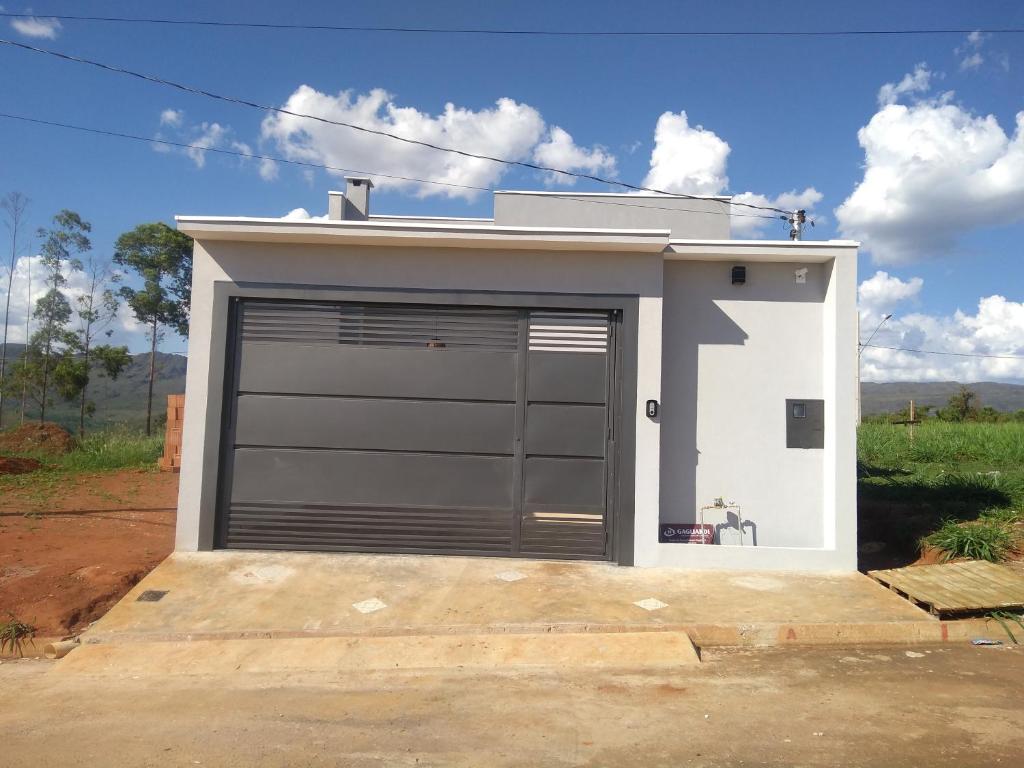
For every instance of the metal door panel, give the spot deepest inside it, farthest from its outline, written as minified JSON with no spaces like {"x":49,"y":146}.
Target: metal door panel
{"x":400,"y":479}
{"x":371,"y":424}
{"x":567,"y":377}
{"x":318,"y":369}
{"x":566,"y":430}
{"x":565,"y":482}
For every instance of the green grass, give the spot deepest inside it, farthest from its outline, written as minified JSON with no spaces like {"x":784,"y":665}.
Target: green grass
{"x":939,"y":442}
{"x":959,"y":487}
{"x":101,"y":451}
{"x":1005,"y":618}
{"x":983,"y":539}
{"x":112,"y":449}
{"x":116,"y":448}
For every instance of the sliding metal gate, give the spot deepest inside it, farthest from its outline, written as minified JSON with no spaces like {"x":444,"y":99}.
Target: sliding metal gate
{"x":419,"y":428}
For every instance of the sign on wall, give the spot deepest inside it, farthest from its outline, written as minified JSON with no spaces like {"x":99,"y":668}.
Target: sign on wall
{"x":686,"y":533}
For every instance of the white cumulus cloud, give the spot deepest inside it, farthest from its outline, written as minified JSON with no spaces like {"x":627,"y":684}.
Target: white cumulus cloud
{"x":969,"y":52}
{"x":172,"y":117}
{"x":693,"y":160}
{"x":973,"y":61}
{"x":204,"y":136}
{"x":508,"y":130}
{"x":983,"y":345}
{"x":933,"y":171}
{"x":918,"y":81}
{"x":37,"y":27}
{"x":748,"y":222}
{"x":687,"y":159}
{"x":558,"y":150}
{"x":881,"y":293}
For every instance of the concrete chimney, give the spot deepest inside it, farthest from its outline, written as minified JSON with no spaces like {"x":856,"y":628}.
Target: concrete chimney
{"x":357,"y":198}
{"x":335,"y":206}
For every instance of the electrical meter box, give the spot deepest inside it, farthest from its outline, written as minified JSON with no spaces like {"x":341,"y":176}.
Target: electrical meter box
{"x":805,"y":423}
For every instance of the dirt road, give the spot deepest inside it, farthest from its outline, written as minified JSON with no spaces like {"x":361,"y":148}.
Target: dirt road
{"x":885,"y":707}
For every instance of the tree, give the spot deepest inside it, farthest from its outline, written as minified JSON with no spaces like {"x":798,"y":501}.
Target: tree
{"x":97,"y":308}
{"x":162,"y":257}
{"x":52,"y":343}
{"x":14,"y":206}
{"x":962,"y":406}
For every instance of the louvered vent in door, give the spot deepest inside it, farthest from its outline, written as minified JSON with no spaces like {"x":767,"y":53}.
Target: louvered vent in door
{"x":377,"y":325}
{"x":569,"y":332}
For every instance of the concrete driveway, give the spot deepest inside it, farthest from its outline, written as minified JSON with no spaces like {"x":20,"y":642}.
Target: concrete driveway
{"x":244,"y":594}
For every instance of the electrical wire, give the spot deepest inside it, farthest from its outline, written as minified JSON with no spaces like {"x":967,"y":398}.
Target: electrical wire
{"x":515,"y":32}
{"x":952,"y":354}
{"x":365,"y":129}
{"x":306,"y":164}
{"x":235,"y":153}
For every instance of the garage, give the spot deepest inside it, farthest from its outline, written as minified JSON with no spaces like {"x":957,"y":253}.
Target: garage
{"x":420,"y":428}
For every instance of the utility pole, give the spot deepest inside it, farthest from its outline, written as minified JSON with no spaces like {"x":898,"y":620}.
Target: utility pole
{"x":796,"y":224}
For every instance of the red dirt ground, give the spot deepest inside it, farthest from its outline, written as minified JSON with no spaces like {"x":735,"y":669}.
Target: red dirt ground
{"x":70,"y":550}
{"x":16,"y":465}
{"x":49,"y":438}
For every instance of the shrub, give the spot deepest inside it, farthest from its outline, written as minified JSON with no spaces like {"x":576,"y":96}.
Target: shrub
{"x":14,"y":633}
{"x":981,"y":540}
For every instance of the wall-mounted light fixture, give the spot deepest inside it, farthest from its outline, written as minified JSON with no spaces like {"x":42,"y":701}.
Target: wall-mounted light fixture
{"x":739,"y":275}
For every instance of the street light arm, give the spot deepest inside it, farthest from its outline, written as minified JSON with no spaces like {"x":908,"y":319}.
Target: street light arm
{"x":866,"y":343}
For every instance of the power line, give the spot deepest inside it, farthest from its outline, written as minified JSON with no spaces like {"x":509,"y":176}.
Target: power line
{"x":306,"y":164}
{"x":235,"y":153}
{"x":517,"y":32}
{"x":365,"y":129}
{"x":952,"y":354}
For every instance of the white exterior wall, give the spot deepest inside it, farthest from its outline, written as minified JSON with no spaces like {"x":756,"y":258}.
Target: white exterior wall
{"x":733,"y":355}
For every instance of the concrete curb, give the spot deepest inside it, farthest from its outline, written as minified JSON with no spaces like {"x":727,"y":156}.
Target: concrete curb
{"x":659,"y":650}
{"x":758,"y":634}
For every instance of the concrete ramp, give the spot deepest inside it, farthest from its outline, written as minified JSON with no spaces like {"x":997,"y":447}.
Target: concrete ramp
{"x":326,"y":655}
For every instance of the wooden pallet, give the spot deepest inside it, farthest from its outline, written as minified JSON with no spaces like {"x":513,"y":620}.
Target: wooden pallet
{"x":970,"y":586}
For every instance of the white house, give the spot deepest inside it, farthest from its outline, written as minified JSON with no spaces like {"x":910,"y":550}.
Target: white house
{"x":575,"y":378}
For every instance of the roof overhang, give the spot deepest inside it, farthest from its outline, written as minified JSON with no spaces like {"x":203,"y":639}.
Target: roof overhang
{"x":442,"y":235}
{"x":781,"y":251}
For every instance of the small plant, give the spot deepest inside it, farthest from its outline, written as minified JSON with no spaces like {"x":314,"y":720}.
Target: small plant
{"x":1004,"y":618}
{"x":1003,"y":515}
{"x":14,"y":633}
{"x":981,"y":540}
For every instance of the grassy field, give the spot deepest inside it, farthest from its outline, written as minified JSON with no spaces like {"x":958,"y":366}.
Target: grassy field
{"x":101,"y":451}
{"x":957,"y":486}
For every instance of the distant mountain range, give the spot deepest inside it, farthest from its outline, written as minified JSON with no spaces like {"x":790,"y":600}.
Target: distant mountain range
{"x":123,"y":401}
{"x":118,"y":401}
{"x":887,"y":397}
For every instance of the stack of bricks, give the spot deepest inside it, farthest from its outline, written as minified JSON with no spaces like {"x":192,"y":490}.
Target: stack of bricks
{"x":171,"y":460}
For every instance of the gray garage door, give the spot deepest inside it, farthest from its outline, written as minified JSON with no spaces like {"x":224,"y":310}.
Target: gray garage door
{"x":419,"y":428}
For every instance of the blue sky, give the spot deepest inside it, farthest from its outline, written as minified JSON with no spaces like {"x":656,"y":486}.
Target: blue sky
{"x":775,"y":114}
